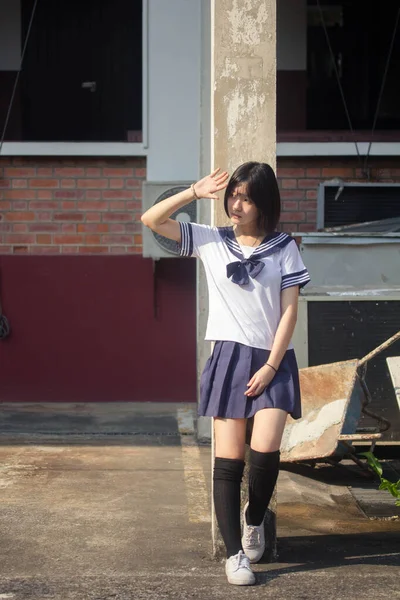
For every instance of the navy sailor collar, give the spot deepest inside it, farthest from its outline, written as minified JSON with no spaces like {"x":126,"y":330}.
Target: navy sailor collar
{"x":273,"y":242}
{"x":241,"y":270}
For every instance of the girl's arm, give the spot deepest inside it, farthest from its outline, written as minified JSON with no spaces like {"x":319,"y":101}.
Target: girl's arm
{"x":284,"y":333}
{"x":264,"y":376}
{"x":157,"y":217}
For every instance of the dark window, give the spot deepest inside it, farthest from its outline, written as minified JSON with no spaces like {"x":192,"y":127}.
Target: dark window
{"x":82,"y":74}
{"x":360,"y":34}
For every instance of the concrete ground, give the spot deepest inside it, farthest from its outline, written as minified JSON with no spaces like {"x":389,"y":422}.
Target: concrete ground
{"x":113,"y":502}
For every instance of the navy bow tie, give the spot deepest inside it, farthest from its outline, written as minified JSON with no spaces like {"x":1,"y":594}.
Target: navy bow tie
{"x":240,"y":270}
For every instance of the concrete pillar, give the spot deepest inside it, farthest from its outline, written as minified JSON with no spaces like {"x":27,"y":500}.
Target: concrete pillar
{"x":205,"y":207}
{"x":243,"y":122}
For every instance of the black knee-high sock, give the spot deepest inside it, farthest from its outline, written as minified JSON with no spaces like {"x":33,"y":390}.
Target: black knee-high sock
{"x":228,"y":473}
{"x":263,"y":473}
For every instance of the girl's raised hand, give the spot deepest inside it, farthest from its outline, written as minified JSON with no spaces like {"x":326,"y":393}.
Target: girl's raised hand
{"x":211,"y":184}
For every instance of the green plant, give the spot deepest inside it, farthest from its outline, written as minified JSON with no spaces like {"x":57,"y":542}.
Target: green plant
{"x":375,"y":465}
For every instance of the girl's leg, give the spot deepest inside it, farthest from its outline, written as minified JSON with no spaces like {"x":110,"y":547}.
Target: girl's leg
{"x":230,"y":435}
{"x":269,"y":424}
{"x":230,"y":438}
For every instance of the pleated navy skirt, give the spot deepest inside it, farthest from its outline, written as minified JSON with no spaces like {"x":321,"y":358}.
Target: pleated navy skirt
{"x":227,"y":373}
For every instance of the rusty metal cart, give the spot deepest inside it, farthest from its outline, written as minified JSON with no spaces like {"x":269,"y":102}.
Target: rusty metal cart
{"x":334,"y":397}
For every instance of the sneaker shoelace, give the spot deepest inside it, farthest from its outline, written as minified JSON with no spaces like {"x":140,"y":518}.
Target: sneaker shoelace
{"x":252,"y":536}
{"x":242,"y":561}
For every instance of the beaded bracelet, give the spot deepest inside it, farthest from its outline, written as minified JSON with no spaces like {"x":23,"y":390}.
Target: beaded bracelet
{"x":194,"y":192}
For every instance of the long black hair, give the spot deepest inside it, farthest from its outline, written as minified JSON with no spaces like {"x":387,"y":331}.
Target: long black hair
{"x":262,"y":189}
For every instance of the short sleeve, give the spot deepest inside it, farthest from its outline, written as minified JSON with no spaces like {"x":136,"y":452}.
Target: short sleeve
{"x":194,"y":238}
{"x":293,"y":270}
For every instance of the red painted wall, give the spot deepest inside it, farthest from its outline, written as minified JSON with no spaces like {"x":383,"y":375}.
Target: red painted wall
{"x":79,"y":296}
{"x":84,"y":329}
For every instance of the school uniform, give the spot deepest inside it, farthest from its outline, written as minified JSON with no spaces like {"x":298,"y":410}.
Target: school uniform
{"x":244,"y":288}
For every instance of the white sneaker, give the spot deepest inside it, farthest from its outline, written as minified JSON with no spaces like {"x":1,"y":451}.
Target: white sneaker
{"x":238,"y":570}
{"x":253,"y":540}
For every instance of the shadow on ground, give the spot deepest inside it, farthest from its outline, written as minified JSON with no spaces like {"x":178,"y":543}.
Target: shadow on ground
{"x":305,"y":554}
{"x":345,"y":473}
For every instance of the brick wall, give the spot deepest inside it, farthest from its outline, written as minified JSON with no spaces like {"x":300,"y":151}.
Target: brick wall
{"x":62,"y":206}
{"x":299,"y":179}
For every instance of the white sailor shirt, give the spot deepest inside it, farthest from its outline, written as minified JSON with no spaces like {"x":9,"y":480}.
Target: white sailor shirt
{"x":244,"y":283}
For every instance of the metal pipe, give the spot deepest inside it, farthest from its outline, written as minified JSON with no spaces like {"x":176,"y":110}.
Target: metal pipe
{"x":379,"y":349}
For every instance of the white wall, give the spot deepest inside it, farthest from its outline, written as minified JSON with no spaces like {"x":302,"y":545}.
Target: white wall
{"x":174,"y":46}
{"x":10,"y":35}
{"x":292,"y":35}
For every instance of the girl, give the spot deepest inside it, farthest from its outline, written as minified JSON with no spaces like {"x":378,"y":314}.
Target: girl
{"x":254,"y":274}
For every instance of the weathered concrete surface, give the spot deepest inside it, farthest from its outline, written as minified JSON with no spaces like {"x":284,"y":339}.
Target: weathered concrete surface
{"x":243,"y":76}
{"x":121,"y":517}
{"x":244,"y":85}
{"x":122,"y":418}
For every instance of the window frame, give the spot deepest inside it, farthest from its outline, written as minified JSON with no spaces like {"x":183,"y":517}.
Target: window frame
{"x":307,"y":149}
{"x":97,"y":148}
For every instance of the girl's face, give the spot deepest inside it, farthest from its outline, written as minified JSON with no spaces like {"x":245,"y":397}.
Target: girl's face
{"x":242,"y":211}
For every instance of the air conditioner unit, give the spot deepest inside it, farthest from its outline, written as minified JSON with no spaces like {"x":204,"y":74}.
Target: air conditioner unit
{"x":348,"y":202}
{"x":337,"y":323}
{"x":154,"y":245}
